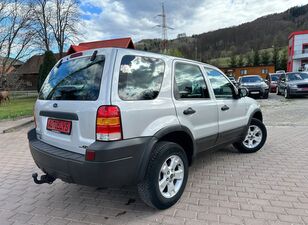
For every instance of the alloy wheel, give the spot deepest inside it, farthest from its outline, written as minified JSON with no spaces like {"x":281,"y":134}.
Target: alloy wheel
{"x":171,"y":176}
{"x":253,"y":137}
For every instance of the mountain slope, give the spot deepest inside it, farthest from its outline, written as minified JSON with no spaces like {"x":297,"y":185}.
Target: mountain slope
{"x":261,"y":33}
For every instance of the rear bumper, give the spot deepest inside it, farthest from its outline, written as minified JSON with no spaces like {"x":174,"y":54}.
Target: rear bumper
{"x":116,"y":163}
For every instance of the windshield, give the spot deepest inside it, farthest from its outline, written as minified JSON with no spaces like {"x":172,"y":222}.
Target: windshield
{"x":275,"y":77}
{"x":297,"y":76}
{"x":253,"y":79}
{"x":77,"y":79}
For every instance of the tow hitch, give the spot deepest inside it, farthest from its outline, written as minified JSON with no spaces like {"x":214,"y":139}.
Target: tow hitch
{"x":44,"y":179}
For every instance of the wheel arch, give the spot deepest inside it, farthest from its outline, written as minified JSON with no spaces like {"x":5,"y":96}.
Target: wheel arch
{"x":178,"y":134}
{"x":257,"y":114}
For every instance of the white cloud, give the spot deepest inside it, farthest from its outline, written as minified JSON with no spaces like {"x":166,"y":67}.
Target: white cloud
{"x":138,"y":18}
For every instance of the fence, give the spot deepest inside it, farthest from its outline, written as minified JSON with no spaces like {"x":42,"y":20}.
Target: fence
{"x":23,"y":94}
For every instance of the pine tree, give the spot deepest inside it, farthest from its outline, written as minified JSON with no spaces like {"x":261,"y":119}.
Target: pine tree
{"x":249,"y":59}
{"x":275,"y":58}
{"x":232,"y":63}
{"x":48,"y":63}
{"x":283,"y":60}
{"x":256,"y":58}
{"x":265,"y":58}
{"x":240,"y":61}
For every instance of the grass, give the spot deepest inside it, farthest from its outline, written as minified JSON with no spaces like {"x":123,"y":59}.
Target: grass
{"x":17,"y":108}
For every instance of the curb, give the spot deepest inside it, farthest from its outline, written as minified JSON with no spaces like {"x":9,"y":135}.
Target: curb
{"x":11,"y":129}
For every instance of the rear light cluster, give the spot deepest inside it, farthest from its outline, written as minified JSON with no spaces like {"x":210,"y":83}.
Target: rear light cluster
{"x":108,"y":124}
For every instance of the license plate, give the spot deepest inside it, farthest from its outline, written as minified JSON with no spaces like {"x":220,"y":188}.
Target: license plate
{"x":254,"y":92}
{"x":60,"y":126}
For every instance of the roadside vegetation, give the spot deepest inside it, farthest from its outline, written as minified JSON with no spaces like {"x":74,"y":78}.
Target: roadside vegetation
{"x":17,"y":108}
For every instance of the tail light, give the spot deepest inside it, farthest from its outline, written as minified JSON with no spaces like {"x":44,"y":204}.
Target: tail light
{"x":108,"y":124}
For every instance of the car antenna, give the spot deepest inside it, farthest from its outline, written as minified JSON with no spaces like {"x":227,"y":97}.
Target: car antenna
{"x":93,"y":57}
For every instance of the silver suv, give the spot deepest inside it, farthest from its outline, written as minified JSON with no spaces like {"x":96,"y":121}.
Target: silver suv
{"x":112,"y":117}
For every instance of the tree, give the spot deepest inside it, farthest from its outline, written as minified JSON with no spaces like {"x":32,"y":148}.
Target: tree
{"x":249,"y":59}
{"x":64,"y":22}
{"x":240,"y":61}
{"x":256,"y":58}
{"x":55,"y":22}
{"x":15,"y":33}
{"x":48,"y":63}
{"x":175,"y":52}
{"x":265,"y":58}
{"x":275,"y":58}
{"x":283,"y":60}
{"x":42,"y":11}
{"x":232,"y":61}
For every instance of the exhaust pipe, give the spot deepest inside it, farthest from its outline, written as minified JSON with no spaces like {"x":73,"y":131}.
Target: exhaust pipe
{"x":44,"y":179}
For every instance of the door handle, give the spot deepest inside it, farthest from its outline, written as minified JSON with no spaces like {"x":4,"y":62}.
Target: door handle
{"x":225,"y":108}
{"x":189,"y":111}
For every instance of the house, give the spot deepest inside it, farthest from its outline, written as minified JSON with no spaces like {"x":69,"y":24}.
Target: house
{"x":119,"y":43}
{"x":11,"y":66}
{"x":298,"y":51}
{"x":249,"y":70}
{"x":27,"y":74}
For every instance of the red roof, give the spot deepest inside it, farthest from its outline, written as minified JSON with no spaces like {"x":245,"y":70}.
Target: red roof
{"x":118,"y":43}
{"x":298,"y":33}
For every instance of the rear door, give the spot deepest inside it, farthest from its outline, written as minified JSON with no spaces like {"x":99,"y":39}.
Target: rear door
{"x":232,"y":112}
{"x":196,"y":108}
{"x":68,"y":101}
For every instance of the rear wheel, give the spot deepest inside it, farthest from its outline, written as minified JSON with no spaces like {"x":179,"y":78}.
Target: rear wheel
{"x":254,"y":139}
{"x":166,"y":176}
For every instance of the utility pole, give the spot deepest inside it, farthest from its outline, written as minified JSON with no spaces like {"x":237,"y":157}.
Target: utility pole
{"x":164,"y":28}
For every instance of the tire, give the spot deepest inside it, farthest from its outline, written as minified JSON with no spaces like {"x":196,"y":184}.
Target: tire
{"x":149,"y":189}
{"x":265,"y":96}
{"x":277,"y":91}
{"x":242,"y":145}
{"x":286,"y":93}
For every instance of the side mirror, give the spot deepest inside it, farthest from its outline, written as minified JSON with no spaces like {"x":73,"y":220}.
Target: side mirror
{"x":243,"y":92}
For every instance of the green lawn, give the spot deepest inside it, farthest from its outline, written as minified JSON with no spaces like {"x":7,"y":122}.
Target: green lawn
{"x":17,"y":108}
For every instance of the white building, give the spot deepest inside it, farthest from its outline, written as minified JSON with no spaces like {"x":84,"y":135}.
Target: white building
{"x":298,"y":51}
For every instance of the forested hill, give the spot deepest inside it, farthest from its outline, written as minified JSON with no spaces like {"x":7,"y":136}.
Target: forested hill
{"x":261,"y":33}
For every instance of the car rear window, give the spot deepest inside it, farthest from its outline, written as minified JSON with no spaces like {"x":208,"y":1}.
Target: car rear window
{"x":77,"y":79}
{"x":140,"y":77}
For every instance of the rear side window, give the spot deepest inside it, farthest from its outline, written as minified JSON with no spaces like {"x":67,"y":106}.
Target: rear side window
{"x":77,"y":79}
{"x":140,"y":78}
{"x":189,"y":82}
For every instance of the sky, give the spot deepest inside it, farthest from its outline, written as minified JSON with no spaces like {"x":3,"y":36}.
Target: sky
{"x":105,"y":19}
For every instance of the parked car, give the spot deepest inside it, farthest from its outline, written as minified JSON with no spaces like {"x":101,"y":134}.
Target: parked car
{"x":112,"y":117}
{"x":293,"y":84}
{"x":271,"y":80}
{"x":255,"y":85}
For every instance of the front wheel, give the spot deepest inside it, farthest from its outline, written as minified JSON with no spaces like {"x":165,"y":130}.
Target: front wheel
{"x":166,"y":176}
{"x":286,"y":93}
{"x":255,"y":138}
